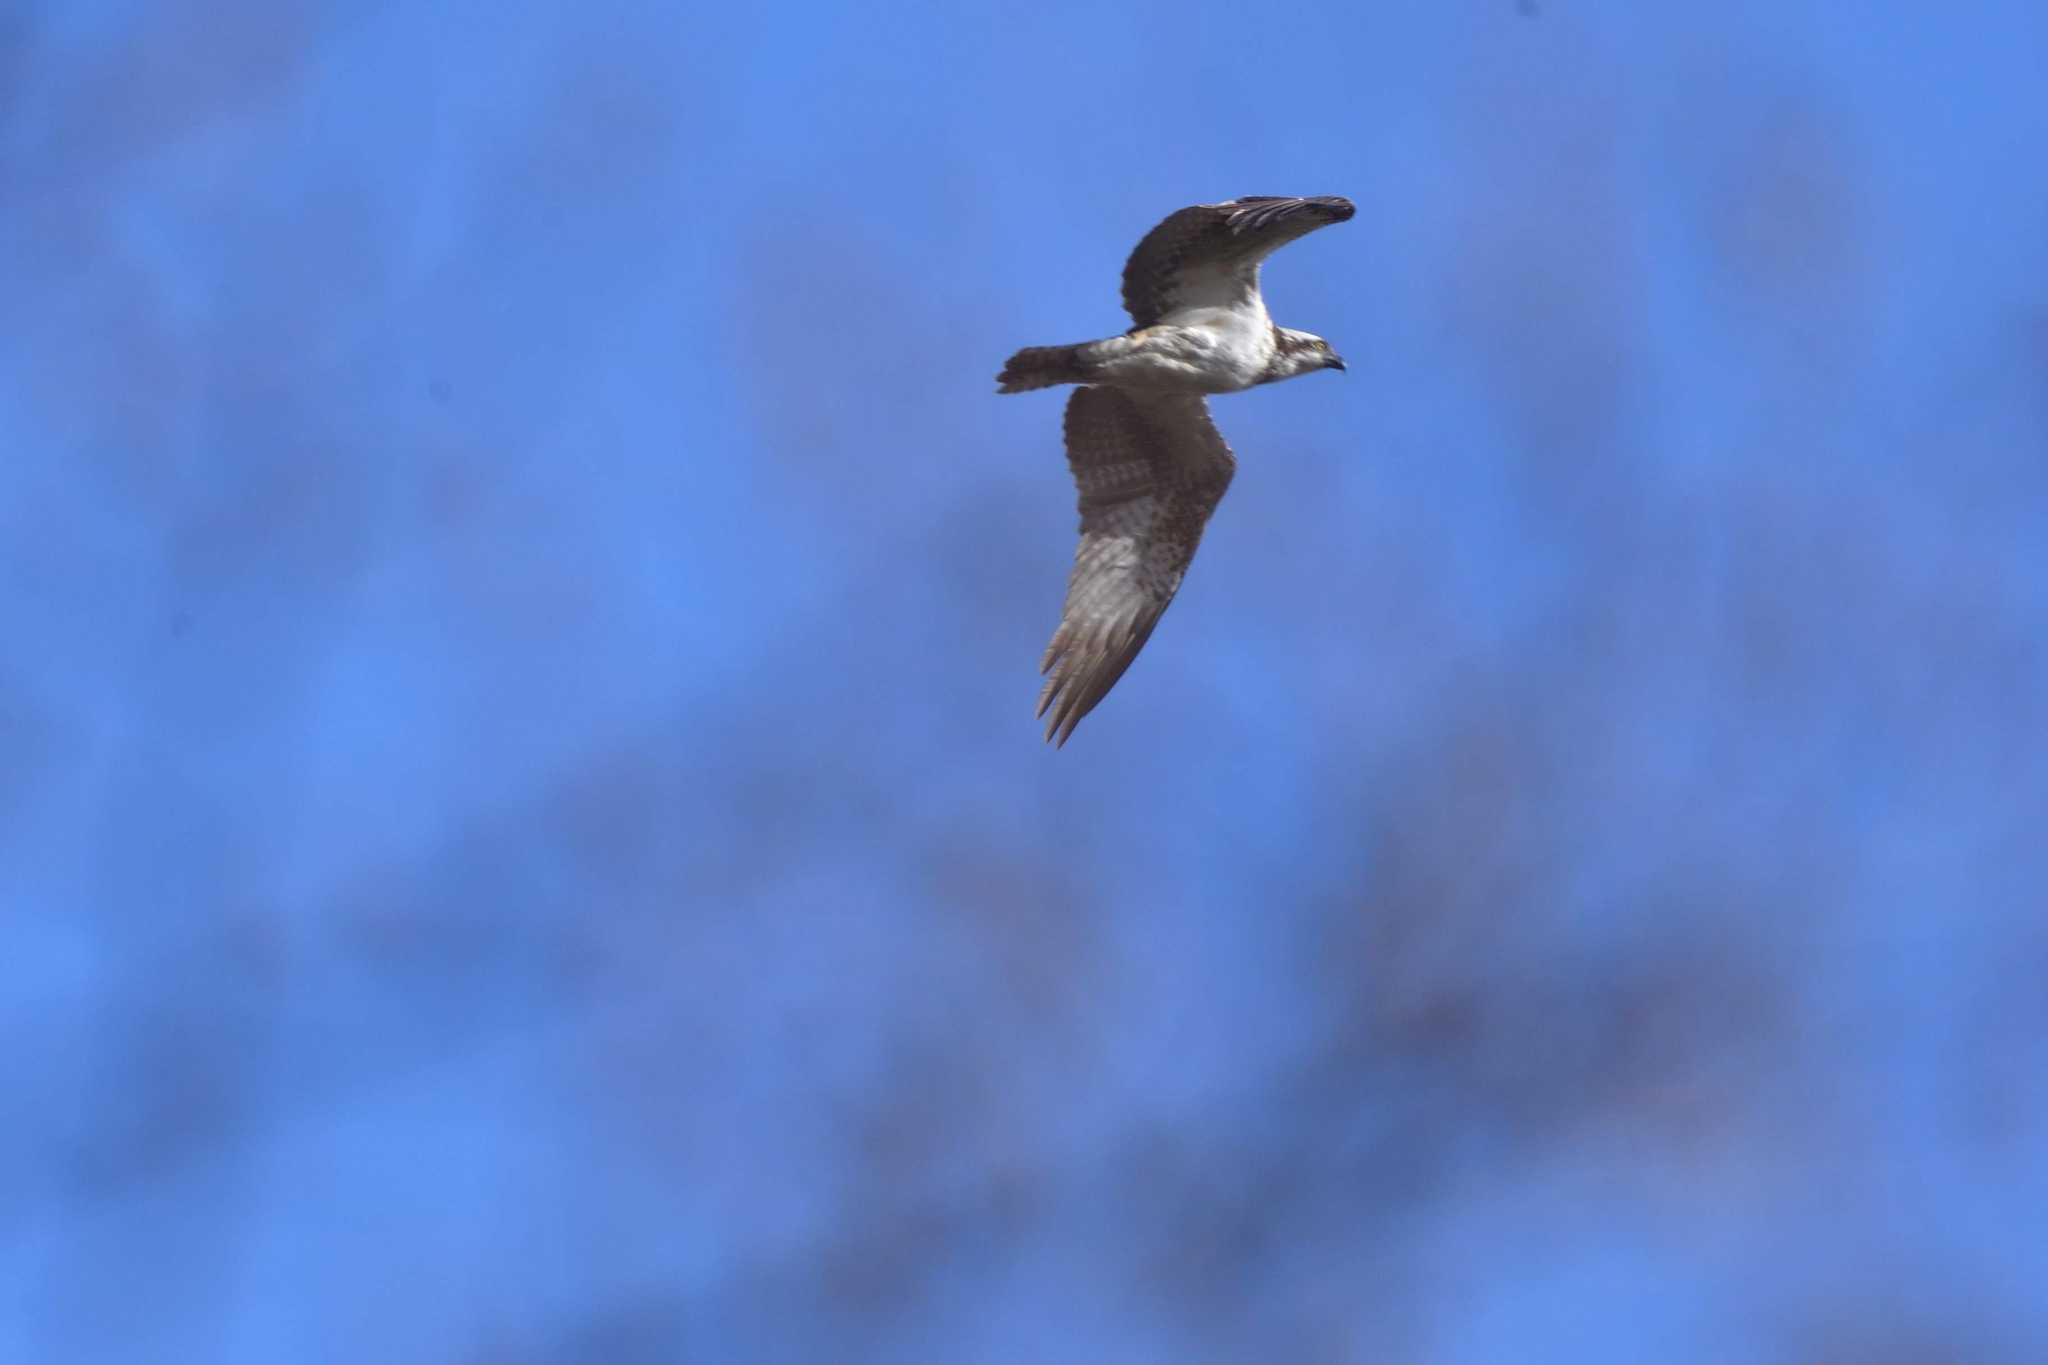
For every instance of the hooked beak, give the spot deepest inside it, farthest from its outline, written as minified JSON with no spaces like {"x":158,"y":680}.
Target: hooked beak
{"x":1335,"y":362}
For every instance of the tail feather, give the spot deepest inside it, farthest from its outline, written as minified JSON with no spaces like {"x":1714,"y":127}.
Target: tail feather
{"x":1041,"y":367}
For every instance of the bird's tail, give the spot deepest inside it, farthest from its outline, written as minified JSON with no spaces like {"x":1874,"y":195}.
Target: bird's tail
{"x":1040,"y":367}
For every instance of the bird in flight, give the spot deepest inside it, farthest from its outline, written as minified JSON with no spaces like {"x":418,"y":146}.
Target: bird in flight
{"x":1149,"y":462}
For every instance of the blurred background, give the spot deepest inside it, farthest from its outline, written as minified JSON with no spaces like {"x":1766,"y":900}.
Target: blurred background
{"x":522,"y":832}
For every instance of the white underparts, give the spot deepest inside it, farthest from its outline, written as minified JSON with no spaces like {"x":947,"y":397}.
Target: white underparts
{"x":1228,"y":350}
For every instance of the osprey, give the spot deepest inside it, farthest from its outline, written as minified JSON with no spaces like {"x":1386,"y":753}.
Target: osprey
{"x":1150,"y":464}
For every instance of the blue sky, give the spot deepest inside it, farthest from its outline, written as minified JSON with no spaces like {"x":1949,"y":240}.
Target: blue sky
{"x":524,"y":827}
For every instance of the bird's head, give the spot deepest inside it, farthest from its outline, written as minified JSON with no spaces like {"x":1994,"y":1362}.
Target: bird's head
{"x":1299,"y":353}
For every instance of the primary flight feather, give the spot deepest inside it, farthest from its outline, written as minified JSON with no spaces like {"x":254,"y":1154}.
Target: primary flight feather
{"x":1149,"y":463}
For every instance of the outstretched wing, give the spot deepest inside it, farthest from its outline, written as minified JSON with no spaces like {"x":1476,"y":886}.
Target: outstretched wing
{"x":1151,"y":469}
{"x":1208,"y":255}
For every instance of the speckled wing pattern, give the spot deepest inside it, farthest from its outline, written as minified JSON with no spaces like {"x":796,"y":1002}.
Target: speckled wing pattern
{"x":1210,"y":254}
{"x":1150,"y":468}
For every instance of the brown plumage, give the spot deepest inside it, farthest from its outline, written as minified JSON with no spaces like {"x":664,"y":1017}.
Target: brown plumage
{"x":1041,"y":367}
{"x":1150,"y":469}
{"x":1230,"y":238}
{"x":1149,"y":463}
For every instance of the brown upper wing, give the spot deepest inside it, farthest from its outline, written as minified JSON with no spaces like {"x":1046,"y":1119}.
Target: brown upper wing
{"x":1210,"y":254}
{"x":1150,"y":470}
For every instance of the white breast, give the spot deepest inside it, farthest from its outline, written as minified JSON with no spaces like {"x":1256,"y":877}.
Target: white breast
{"x":1238,"y":340}
{"x":1204,"y":349}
